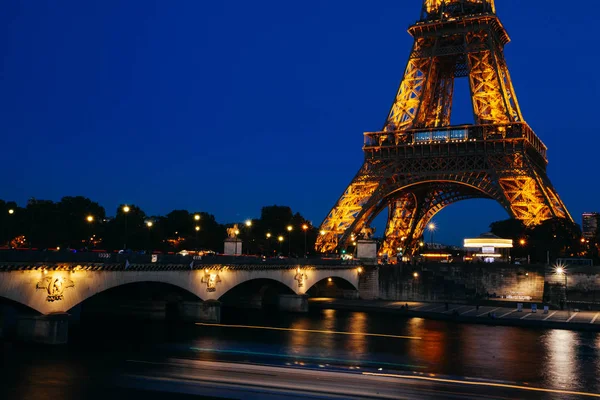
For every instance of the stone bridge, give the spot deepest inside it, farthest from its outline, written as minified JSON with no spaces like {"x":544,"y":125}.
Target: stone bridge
{"x":53,"y":286}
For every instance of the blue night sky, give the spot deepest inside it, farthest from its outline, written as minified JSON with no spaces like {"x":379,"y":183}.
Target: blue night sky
{"x":226,"y":106}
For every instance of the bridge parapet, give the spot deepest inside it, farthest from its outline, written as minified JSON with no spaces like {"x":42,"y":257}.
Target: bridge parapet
{"x":19,"y":260}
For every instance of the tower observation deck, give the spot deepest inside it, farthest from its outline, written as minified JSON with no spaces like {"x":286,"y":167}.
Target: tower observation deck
{"x":418,"y":163}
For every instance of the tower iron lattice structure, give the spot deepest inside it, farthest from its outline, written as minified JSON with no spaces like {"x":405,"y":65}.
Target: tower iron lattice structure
{"x":418,"y":163}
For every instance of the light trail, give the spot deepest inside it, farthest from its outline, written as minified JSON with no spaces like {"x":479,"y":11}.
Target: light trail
{"x":303,"y":357}
{"x":308,"y":331}
{"x":488,"y":384}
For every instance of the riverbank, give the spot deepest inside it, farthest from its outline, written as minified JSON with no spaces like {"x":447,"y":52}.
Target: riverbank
{"x":498,"y":313}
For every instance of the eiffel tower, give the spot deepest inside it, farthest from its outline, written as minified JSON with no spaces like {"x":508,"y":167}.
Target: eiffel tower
{"x":418,"y":163}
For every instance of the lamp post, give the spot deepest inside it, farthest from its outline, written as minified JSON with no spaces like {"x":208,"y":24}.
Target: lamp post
{"x":197,"y":228}
{"x":10,"y":212}
{"x":280,"y":239}
{"x":248,"y":224}
{"x":126,"y":210}
{"x":268,"y":243}
{"x":149,"y":224}
{"x":305,"y":229}
{"x":90,"y":220}
{"x":523,"y":243}
{"x":431,"y":228}
{"x":561,"y":270}
{"x":290,"y":228}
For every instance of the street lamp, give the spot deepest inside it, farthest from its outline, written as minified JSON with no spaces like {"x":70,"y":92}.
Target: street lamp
{"x":280,"y":239}
{"x":197,"y":217}
{"x":90,"y":219}
{"x":415,"y":275}
{"x":268,"y":243}
{"x":10,"y":212}
{"x":126,"y":210}
{"x":149,"y":224}
{"x":248,"y":224}
{"x":305,"y":229}
{"x":431,"y":228}
{"x":290,"y":228}
{"x":559,"y":269}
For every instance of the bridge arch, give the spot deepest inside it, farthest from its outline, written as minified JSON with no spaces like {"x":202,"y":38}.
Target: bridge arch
{"x":133,"y":292}
{"x":56,"y":290}
{"x":331,"y":286}
{"x":30,"y":288}
{"x":260,"y":285}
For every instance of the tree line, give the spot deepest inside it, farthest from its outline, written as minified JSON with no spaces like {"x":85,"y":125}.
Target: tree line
{"x":553,"y":238}
{"x":79,"y":223}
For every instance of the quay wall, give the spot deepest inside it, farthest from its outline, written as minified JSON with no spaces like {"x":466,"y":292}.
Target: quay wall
{"x":460,"y":282}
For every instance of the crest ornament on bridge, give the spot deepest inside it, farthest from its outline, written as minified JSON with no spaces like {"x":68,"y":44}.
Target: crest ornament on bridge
{"x":55,"y":287}
{"x":300,"y":277}
{"x":211,"y":279}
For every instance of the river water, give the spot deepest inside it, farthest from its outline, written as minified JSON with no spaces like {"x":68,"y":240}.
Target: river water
{"x":101,"y":350}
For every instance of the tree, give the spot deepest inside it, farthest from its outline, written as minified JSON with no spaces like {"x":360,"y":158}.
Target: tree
{"x":513,"y":229}
{"x":81,"y":219}
{"x":274,"y":220}
{"x":127,"y":230}
{"x":43,"y":221}
{"x":508,"y":229}
{"x":556,"y":237}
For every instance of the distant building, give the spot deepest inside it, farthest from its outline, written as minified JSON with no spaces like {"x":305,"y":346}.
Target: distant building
{"x":489,"y":248}
{"x":590,"y":222}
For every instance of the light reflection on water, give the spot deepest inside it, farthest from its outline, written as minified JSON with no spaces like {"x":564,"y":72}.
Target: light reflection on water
{"x":561,"y":363}
{"x":548,"y":358}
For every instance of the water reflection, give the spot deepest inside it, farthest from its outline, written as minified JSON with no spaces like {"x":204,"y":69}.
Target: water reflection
{"x":550,"y":358}
{"x":358,"y":344}
{"x":430,"y":349}
{"x":299,"y":339}
{"x":561,"y":364}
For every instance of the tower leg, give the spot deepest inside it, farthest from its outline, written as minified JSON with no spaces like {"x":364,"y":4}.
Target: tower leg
{"x":335,"y":228}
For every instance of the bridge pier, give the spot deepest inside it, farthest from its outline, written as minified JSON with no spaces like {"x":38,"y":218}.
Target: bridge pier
{"x":293,"y":303}
{"x":199,"y":311}
{"x":46,"y":329}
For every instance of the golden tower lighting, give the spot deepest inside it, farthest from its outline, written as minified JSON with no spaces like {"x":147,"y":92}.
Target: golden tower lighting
{"x":418,"y":163}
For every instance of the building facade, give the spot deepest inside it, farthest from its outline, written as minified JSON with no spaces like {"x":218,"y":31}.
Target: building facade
{"x":589,"y":226}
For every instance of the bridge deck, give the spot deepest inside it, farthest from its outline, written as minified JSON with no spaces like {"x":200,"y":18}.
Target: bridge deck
{"x":22,"y":261}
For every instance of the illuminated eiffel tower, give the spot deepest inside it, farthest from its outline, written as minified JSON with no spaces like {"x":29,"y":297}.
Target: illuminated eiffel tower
{"x":418,"y":164}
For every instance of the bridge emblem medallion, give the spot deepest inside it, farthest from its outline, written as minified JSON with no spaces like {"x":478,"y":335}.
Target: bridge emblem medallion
{"x":55,"y":287}
{"x":211,"y":279}
{"x":300,"y":277}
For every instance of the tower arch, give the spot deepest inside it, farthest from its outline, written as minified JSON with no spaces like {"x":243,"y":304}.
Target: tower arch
{"x":499,"y":157}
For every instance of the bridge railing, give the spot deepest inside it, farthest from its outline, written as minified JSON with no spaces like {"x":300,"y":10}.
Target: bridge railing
{"x":53,"y":257}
